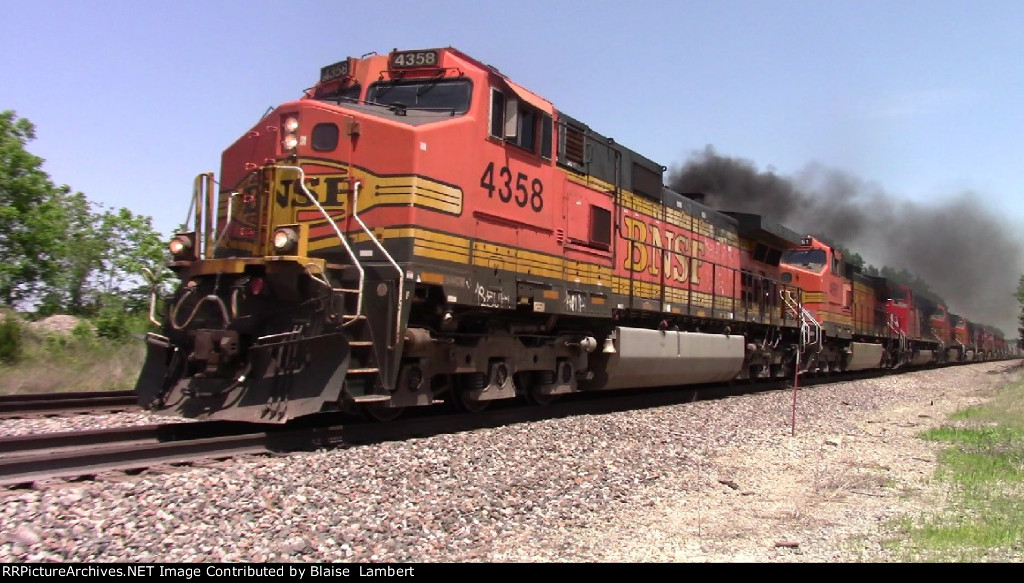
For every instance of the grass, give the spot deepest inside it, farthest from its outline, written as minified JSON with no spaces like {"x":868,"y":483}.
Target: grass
{"x":79,"y":361}
{"x":982,"y":469}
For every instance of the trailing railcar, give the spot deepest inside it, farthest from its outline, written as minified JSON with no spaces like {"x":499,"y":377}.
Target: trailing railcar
{"x":963,"y":340}
{"x":833,"y":341}
{"x":922,"y":334}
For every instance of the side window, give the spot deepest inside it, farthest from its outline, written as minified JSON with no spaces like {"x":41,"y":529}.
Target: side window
{"x":516,"y":122}
{"x":497,"y":114}
{"x":527,"y":135}
{"x":600,"y":227}
{"x":761,"y":253}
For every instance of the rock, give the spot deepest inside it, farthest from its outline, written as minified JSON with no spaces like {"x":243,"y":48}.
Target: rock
{"x":26,"y":535}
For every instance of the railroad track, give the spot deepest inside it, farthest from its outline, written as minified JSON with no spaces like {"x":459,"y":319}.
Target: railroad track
{"x":32,"y":459}
{"x":35,"y":460}
{"x":75,"y":403}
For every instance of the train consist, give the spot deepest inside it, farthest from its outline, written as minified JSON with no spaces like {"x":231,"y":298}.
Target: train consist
{"x":417,"y":228}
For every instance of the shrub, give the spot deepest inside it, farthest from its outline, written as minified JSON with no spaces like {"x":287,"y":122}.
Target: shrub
{"x":10,"y":339}
{"x":83,"y":331}
{"x":112,"y":323}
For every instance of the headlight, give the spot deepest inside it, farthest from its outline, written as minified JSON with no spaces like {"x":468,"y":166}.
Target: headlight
{"x":180,"y":246}
{"x":285,"y":240}
{"x":290,"y":133}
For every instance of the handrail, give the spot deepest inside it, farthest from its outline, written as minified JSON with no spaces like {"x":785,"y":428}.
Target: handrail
{"x":227,"y":224}
{"x":173,"y":316}
{"x":806,"y":320}
{"x":899,"y":333}
{"x":398,"y":268}
{"x":200,"y":211}
{"x":337,"y":231}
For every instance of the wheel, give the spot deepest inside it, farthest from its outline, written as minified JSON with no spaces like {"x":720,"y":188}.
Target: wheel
{"x":528,"y":387}
{"x":465,"y":403}
{"x":381,"y":412}
{"x":533,"y":396}
{"x":462,"y":386}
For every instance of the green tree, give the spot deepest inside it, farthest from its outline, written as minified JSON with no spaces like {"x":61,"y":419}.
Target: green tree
{"x":103,"y":260}
{"x":60,"y":252}
{"x":68,"y":290}
{"x":30,"y":214}
{"x":130,"y":247}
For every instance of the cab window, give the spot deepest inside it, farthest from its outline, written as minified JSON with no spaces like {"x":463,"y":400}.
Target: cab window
{"x":520,"y":124}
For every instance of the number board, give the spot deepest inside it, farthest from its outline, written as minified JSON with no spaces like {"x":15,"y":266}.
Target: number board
{"x":332,"y":72}
{"x":407,"y":59}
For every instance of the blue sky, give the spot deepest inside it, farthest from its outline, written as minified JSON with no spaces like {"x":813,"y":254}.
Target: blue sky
{"x":924,"y":98}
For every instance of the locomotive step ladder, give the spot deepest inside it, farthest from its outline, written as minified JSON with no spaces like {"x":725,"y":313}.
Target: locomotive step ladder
{"x":810,"y":329}
{"x":370,"y":355}
{"x":900,"y":336}
{"x":365,"y":371}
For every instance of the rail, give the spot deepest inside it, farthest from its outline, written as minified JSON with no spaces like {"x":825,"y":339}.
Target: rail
{"x":33,"y":458}
{"x":51,"y":404}
{"x":203,"y":205}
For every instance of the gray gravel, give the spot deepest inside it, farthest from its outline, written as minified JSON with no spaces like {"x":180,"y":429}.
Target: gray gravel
{"x":706,"y":481}
{"x":31,"y":425}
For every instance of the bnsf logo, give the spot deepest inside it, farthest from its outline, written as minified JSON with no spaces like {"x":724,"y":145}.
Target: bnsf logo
{"x":330,"y":191}
{"x":679,"y":260}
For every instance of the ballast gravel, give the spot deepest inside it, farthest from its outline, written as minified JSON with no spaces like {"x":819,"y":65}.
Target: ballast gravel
{"x":738,"y":479}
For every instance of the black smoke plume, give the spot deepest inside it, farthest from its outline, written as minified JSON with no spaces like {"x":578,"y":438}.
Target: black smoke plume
{"x":968,"y":254}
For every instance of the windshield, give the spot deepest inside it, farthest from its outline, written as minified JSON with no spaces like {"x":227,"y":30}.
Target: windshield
{"x":340,"y":95}
{"x":899,"y":297}
{"x":811,"y":258}
{"x":450,"y":95}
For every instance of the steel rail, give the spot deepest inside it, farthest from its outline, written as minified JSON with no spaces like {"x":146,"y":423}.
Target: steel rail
{"x":28,"y":404}
{"x":26,"y":460}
